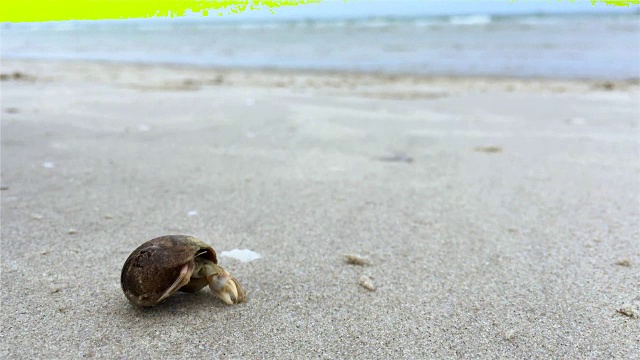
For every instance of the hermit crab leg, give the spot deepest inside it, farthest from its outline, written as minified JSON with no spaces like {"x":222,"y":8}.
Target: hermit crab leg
{"x":182,"y":280}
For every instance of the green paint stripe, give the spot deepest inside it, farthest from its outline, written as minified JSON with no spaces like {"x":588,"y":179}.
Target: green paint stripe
{"x":52,"y":10}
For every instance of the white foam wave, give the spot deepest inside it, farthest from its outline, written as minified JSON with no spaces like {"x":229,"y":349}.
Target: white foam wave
{"x":470,"y":20}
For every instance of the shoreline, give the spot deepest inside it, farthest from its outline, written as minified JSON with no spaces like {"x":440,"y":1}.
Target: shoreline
{"x":17,"y":65}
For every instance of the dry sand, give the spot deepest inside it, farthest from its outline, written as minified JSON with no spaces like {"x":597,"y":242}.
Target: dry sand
{"x":495,"y":214}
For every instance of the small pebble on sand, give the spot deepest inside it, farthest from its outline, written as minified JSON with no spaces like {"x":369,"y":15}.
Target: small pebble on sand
{"x":400,"y":157}
{"x":488,"y":149}
{"x":36,"y":216}
{"x":624,"y":262}
{"x":366,"y":283}
{"x":509,"y":334}
{"x":72,"y":231}
{"x":352,"y":259}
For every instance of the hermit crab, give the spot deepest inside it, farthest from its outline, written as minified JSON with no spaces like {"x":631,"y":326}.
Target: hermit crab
{"x":161,"y":266}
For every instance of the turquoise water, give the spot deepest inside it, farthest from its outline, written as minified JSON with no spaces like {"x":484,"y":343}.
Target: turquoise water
{"x":555,"y":46}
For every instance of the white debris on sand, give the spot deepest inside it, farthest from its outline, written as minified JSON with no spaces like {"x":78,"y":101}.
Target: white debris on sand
{"x":244,"y":255}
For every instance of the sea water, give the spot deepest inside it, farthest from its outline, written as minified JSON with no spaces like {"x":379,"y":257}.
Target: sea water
{"x":596,"y":46}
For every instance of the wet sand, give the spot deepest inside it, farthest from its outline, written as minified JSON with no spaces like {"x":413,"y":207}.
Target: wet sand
{"x":488,"y":218}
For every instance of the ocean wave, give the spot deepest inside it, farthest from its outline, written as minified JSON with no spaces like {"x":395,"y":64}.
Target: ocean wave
{"x":206,"y":24}
{"x":470,"y":20}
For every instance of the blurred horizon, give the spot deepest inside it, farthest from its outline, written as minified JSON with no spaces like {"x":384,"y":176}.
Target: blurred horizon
{"x":483,"y":38}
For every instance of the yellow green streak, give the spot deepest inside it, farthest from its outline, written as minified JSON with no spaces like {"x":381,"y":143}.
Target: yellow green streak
{"x":617,"y":2}
{"x":52,"y":10}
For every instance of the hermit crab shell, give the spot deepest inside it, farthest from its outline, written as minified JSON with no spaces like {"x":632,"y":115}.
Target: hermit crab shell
{"x":152,"y":269}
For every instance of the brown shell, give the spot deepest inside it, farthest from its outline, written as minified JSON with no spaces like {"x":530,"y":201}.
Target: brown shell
{"x":154,"y":266}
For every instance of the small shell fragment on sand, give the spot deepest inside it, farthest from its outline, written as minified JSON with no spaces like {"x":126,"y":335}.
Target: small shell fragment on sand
{"x":366,"y":283}
{"x":108,"y":216}
{"x":72,"y":231}
{"x":352,"y":259}
{"x":624,"y":262}
{"x":48,"y":165}
{"x":36,"y":216}
{"x":629,"y":312}
{"x":192,"y":213}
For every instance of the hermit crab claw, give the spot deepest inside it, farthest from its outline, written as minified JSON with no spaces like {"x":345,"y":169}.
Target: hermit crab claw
{"x":162,"y":266}
{"x":224,"y":286}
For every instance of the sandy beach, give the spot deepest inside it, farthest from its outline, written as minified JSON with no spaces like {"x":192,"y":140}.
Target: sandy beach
{"x":500,"y":217}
